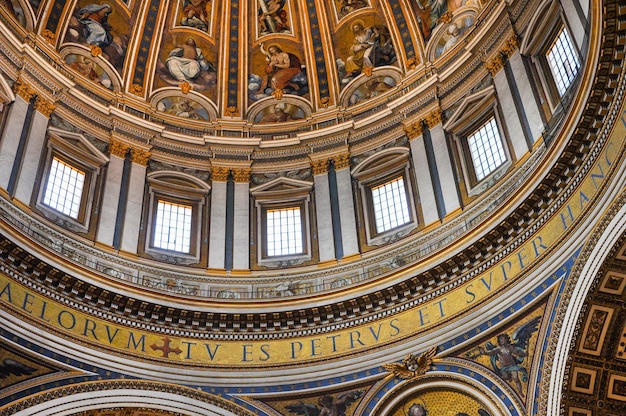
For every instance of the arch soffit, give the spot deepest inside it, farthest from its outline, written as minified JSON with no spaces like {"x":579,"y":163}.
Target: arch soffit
{"x":163,"y":175}
{"x":106,"y":395}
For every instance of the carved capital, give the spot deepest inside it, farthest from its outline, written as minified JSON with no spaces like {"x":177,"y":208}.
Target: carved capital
{"x":241,"y":175}
{"x":342,"y":161}
{"x":220,"y":173}
{"x":511,"y":45}
{"x":495,"y":64}
{"x":118,"y":148}
{"x":44,"y":106}
{"x":434,"y":118}
{"x":140,"y":156}
{"x":24,"y":90}
{"x":320,"y":166}
{"x":414,"y":130}
{"x":324,"y":102}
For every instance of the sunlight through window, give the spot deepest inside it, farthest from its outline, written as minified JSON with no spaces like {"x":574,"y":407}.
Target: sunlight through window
{"x":284,"y":232}
{"x":64,"y":189}
{"x":391,"y":209}
{"x":172,"y":230}
{"x":563,"y":61}
{"x":486,"y":149}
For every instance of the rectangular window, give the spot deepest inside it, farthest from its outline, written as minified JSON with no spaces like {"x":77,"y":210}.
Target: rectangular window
{"x":486,"y":149}
{"x":172,"y":229}
{"x":284,"y":231}
{"x":564,"y":62}
{"x":391,"y":209}
{"x":64,"y":189}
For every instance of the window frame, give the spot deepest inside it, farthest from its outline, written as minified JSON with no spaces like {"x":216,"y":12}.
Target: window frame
{"x":75,"y":151}
{"x":379,"y":169}
{"x":469,"y":161}
{"x":543,"y":31}
{"x":264,"y":229}
{"x":155,"y":219}
{"x":474,"y":112}
{"x":179,"y":189}
{"x":282,"y":193}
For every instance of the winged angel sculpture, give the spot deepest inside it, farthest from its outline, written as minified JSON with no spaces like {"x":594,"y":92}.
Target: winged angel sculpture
{"x":328,"y":405}
{"x":413,"y":365}
{"x":507,"y":357}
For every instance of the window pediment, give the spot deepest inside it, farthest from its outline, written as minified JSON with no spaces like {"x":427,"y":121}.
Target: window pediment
{"x":77,"y":146}
{"x":472,"y":106}
{"x":281,"y":187}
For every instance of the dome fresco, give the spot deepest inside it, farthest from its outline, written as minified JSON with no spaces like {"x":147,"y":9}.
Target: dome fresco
{"x":272,"y":48}
{"x":312,"y":207}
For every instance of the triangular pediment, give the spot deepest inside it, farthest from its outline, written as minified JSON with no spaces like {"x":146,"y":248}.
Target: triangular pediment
{"x":472,"y":105}
{"x":282,"y":185}
{"x":76,"y":144}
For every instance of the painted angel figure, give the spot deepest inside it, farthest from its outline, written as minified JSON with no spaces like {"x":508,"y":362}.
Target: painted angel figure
{"x":328,"y":405}
{"x":429,"y":12}
{"x":507,"y":357}
{"x":273,"y":16}
{"x":196,"y":14}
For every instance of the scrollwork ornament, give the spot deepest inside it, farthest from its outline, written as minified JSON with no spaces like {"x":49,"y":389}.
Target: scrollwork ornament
{"x":278,"y":93}
{"x":136,"y":89}
{"x":185,"y":87}
{"x":511,"y":45}
{"x":49,"y":36}
{"x":96,"y":50}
